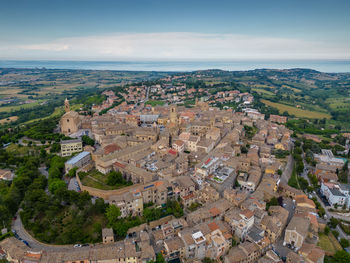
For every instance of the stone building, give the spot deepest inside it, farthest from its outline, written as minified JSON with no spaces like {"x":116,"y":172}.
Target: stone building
{"x":70,"y":122}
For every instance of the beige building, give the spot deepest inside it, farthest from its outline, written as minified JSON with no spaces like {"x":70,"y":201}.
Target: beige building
{"x":6,"y":175}
{"x":107,"y":235}
{"x":246,"y":252}
{"x":274,"y":223}
{"x":129,"y":203}
{"x":70,"y":122}
{"x":296,"y":232}
{"x":71,"y":146}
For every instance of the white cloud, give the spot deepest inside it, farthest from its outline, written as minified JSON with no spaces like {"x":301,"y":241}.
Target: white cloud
{"x":177,"y":46}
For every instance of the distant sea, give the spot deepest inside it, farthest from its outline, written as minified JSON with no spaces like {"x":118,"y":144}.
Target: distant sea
{"x":329,"y":66}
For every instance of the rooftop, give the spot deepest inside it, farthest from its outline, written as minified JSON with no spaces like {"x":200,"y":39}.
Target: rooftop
{"x":77,"y":158}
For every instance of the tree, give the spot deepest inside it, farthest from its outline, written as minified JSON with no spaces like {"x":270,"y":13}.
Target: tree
{"x":335,"y":233}
{"x":72,"y":172}
{"x":112,"y":214}
{"x":272,"y":202}
{"x":333,"y":222}
{"x":87,"y":140}
{"x":160,"y":258}
{"x":114,"y":178}
{"x":55,"y":147}
{"x":244,"y":149}
{"x":321,"y":212}
{"x":56,"y":184}
{"x":326,"y":230}
{"x":207,"y":260}
{"x":300,"y":167}
{"x":344,"y":242}
{"x":341,"y":257}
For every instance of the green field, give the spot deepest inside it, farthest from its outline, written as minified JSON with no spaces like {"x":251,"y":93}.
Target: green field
{"x":155,"y":103}
{"x":265,"y":92}
{"x":296,"y":111}
{"x":329,"y":243}
{"x":339,"y":104}
{"x":18,"y":107}
{"x":98,"y":180}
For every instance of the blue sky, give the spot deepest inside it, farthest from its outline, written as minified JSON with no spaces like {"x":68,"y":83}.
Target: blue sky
{"x":147,"y":29}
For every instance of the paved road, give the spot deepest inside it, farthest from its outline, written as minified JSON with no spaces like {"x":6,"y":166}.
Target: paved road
{"x":73,"y":185}
{"x":43,"y":171}
{"x":288,"y":170}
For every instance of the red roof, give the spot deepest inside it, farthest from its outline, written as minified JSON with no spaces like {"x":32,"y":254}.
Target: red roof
{"x":207,"y":161}
{"x":111,"y":148}
{"x":213,"y":226}
{"x":214,"y":211}
{"x":120,"y":165}
{"x":189,"y":196}
{"x":172,"y":151}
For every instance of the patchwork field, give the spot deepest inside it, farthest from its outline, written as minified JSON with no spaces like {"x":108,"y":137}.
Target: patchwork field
{"x":9,"y":119}
{"x":296,"y":111}
{"x":18,"y":107}
{"x":262,"y":91}
{"x":339,"y":103}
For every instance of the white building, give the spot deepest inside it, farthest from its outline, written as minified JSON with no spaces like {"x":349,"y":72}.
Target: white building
{"x":335,"y":194}
{"x":78,"y":161}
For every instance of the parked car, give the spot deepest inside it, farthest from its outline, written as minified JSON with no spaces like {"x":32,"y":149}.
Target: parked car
{"x":78,"y":245}
{"x":26,"y":243}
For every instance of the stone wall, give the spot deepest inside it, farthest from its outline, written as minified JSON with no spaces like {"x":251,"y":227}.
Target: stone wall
{"x":105,"y":194}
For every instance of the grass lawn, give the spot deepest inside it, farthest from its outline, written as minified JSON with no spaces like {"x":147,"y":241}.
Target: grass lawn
{"x":297,"y":112}
{"x":22,"y":150}
{"x":155,"y":102}
{"x":98,"y":180}
{"x":328,"y":243}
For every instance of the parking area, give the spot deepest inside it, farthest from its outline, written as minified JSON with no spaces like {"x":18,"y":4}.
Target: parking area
{"x":73,"y":185}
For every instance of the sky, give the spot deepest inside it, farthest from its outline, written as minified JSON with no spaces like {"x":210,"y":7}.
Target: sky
{"x":174,"y":30}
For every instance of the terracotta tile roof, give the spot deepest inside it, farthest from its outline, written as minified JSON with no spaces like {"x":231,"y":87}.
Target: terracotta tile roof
{"x":172,"y":151}
{"x":120,"y":165}
{"x":111,"y":148}
{"x":247,"y":213}
{"x":189,"y":196}
{"x":214,"y":211}
{"x":213,"y":226}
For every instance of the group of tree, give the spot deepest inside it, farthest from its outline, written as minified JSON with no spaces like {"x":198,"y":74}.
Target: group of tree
{"x":343,"y":174}
{"x":116,"y":179}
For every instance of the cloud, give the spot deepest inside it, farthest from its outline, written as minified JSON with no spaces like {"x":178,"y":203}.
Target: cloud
{"x":178,"y":46}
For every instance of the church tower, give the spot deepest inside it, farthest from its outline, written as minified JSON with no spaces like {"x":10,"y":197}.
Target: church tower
{"x":66,"y":105}
{"x":173,"y":114}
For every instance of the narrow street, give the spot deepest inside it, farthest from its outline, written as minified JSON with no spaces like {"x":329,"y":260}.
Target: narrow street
{"x":288,"y":170}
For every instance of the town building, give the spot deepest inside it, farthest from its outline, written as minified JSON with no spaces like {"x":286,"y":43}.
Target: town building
{"x":69,"y":147}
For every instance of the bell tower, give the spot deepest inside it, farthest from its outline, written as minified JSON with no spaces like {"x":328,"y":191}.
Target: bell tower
{"x":66,"y":105}
{"x":173,"y":114}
